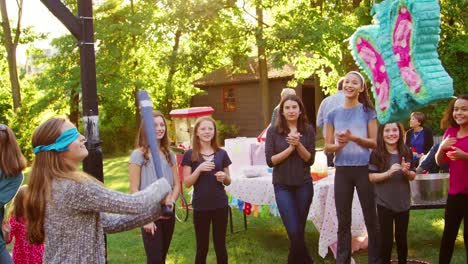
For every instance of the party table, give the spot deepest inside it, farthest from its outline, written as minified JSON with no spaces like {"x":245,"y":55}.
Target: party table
{"x":259,"y":191}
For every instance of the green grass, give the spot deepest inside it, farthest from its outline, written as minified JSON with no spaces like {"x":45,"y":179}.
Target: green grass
{"x":265,"y":240}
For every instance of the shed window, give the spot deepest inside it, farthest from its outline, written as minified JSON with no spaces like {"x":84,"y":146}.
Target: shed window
{"x":229,"y":99}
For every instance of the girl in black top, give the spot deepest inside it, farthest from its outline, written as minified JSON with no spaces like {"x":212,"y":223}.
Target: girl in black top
{"x":290,"y":150}
{"x":206,"y":167}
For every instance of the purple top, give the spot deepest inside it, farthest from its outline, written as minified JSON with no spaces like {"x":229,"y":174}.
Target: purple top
{"x":458,"y":182}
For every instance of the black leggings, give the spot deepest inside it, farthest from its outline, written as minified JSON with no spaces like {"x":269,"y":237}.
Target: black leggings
{"x":456,"y":210}
{"x":202,"y":220}
{"x":157,"y":245}
{"x":346,"y":179}
{"x":386,"y":219}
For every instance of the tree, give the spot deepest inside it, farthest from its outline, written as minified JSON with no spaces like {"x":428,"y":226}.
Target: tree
{"x":262,"y":64}
{"x":312,"y":35}
{"x":11,"y":43}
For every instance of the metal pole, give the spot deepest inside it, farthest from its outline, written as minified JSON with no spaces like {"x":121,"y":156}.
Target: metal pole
{"x":82,"y":29}
{"x":93,"y":163}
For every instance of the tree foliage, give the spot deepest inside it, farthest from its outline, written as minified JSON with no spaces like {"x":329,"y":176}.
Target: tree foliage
{"x":163,"y":46}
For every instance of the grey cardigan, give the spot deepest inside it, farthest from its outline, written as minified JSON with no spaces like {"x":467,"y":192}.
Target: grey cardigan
{"x":79,"y":213}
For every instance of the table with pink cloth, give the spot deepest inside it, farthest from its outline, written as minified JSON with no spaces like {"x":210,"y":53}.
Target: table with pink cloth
{"x":259,"y":191}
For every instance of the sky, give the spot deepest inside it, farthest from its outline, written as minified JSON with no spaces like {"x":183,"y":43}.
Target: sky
{"x":37,"y":15}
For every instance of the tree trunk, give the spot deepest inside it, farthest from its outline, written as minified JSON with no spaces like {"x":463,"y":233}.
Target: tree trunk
{"x":136,"y":88}
{"x":356,"y":3}
{"x":10,"y":46}
{"x":262,"y":67}
{"x":172,"y":71}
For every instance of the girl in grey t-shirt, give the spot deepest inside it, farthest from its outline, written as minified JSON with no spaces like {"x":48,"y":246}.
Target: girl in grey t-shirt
{"x":156,"y":235}
{"x":390,"y":172}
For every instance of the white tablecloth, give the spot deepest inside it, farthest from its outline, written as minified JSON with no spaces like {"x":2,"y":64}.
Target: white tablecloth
{"x":259,"y":191}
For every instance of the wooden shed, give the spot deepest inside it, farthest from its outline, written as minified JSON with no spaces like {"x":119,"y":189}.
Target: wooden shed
{"x":236,"y":97}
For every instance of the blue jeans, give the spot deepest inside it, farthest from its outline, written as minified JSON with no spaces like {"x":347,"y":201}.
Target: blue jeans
{"x":293,"y":204}
{"x":5,"y":257}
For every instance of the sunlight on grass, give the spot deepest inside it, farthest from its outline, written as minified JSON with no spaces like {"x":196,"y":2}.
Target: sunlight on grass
{"x":118,"y":186}
{"x":439,"y":224}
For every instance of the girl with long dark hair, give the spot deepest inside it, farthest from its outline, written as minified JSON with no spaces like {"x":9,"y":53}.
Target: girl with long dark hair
{"x":290,"y":150}
{"x":389,"y":168}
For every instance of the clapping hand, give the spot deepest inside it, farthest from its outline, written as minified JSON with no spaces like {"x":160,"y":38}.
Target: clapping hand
{"x":394,"y":168}
{"x":344,"y":137}
{"x":405,"y":166}
{"x":293,"y":138}
{"x":456,"y":153}
{"x":447,"y":143}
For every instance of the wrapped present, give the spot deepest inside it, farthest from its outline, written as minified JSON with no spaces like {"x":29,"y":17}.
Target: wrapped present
{"x":257,"y":153}
{"x":238,"y":150}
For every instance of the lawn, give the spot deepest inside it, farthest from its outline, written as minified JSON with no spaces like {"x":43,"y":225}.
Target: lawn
{"x":265,"y":240}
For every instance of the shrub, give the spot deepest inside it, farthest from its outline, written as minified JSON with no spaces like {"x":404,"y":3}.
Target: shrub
{"x":226,"y":131}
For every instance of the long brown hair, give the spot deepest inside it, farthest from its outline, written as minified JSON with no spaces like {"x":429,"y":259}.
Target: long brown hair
{"x":142,"y":141}
{"x":17,"y":208}
{"x":47,"y":166}
{"x":196,"y":141}
{"x":448,"y":120}
{"x":12,"y":161}
{"x":281,"y":124}
{"x":381,"y":156}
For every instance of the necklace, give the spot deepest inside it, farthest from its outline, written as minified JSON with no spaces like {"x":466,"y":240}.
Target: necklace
{"x":416,"y":134}
{"x":208,"y":157}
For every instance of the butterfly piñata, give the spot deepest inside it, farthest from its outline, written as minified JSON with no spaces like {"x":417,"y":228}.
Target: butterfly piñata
{"x":399,"y":54}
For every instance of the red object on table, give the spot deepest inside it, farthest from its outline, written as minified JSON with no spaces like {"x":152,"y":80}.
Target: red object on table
{"x":192,"y":111}
{"x":262,"y":136}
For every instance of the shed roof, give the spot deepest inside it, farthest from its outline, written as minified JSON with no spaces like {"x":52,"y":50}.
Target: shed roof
{"x":250,"y":73}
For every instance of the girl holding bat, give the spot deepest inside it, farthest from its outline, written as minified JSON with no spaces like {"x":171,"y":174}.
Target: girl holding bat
{"x":72,"y":208}
{"x":206,"y":167}
{"x":156,"y":235}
